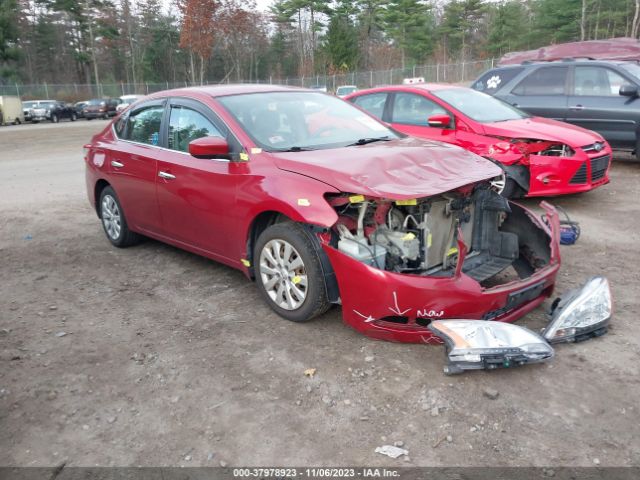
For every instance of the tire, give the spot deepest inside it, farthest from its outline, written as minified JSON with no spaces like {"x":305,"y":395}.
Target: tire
{"x":74,"y":117}
{"x":89,"y":119}
{"x":113,"y":220}
{"x":287,"y":297}
{"x":54,"y":118}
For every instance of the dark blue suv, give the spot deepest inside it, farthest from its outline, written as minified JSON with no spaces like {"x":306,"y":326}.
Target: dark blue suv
{"x":598,"y":95}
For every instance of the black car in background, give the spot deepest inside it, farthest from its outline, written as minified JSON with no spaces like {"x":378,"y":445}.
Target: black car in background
{"x":60,"y":111}
{"x":598,"y":95}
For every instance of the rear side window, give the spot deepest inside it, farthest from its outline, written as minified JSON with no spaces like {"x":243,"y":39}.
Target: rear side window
{"x":543,"y":81}
{"x":372,"y":103}
{"x":494,"y":80}
{"x":411,"y":109}
{"x":143,"y":126}
{"x":186,"y":125}
{"x":597,"y":82}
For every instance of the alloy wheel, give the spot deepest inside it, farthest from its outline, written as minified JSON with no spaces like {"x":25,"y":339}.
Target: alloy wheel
{"x":499,"y":182}
{"x":283,"y":274}
{"x":111,"y":217}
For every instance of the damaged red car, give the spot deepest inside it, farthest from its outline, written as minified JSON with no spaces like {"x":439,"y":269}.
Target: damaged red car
{"x":321,"y":204}
{"x":538,"y":156}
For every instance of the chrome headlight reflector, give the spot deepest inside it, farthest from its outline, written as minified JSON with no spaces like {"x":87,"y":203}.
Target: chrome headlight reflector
{"x":480,"y":344}
{"x":581,"y":314}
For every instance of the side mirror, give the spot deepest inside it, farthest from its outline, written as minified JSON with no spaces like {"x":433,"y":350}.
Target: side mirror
{"x":439,"y":121}
{"x":629,"y":91}
{"x":209,"y":147}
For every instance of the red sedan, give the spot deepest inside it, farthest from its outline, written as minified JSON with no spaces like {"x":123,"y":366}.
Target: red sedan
{"x":538,"y":156}
{"x":322,"y":204}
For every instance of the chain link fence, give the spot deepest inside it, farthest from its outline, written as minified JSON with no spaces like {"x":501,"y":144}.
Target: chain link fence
{"x":462,"y":72}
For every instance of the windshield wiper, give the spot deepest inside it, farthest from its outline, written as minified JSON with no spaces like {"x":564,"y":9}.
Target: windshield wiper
{"x":364,"y":141}
{"x":294,"y":149}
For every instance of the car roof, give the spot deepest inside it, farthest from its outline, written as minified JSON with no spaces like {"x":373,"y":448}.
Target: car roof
{"x":428,"y":87}
{"x":567,"y":61}
{"x":229,"y":89}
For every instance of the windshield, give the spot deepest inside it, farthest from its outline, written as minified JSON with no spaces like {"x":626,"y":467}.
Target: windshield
{"x":345,"y":90}
{"x":479,"y":106}
{"x":281,"y":121}
{"x":46,"y":104}
{"x":29,"y":104}
{"x":633,"y":69}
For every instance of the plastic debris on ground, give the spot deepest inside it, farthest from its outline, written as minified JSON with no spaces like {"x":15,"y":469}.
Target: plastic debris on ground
{"x":391,"y":451}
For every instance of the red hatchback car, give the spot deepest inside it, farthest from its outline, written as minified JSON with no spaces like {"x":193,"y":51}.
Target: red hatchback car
{"x":321,"y":204}
{"x":539,"y":156}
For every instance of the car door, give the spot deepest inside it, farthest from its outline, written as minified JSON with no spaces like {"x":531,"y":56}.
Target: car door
{"x":543,"y":92}
{"x":133,"y":164}
{"x":409,"y":112}
{"x":595,"y":103}
{"x":196,"y":196}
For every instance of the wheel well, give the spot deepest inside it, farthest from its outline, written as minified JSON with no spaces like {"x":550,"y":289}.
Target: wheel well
{"x":100,"y":185}
{"x":259,"y":225}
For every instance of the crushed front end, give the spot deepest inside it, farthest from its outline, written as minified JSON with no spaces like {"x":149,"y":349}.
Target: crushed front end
{"x":468,"y":253}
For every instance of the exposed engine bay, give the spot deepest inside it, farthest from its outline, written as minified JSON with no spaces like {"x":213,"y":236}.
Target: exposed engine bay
{"x":424,"y":236}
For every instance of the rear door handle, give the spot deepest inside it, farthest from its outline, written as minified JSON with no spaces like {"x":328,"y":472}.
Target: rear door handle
{"x":576,"y":107}
{"x":166,"y":175}
{"x":116,"y":164}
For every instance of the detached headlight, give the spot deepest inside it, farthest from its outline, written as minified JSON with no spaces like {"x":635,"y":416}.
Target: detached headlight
{"x":479,"y":344}
{"x":581,"y":314}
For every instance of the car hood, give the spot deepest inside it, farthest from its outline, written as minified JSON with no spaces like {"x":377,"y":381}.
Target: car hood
{"x":398,"y":169}
{"x":538,"y":128}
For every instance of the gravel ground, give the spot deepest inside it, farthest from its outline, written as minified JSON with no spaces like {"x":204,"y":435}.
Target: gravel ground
{"x":155,"y":356}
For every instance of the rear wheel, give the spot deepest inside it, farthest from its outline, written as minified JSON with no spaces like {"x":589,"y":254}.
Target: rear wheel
{"x":54,"y":118}
{"x":289,"y":274}
{"x":74,"y":117}
{"x":113,"y":220}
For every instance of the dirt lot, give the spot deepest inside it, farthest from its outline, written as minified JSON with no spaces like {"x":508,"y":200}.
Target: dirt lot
{"x":154,"y":356}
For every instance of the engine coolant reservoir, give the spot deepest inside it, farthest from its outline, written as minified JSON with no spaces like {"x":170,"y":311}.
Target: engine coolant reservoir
{"x":359,"y":248}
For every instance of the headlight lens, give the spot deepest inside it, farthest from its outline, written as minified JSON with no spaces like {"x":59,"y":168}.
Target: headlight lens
{"x":581,"y":314}
{"x":479,"y":344}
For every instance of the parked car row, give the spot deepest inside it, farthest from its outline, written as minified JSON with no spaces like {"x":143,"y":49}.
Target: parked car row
{"x":13,"y":110}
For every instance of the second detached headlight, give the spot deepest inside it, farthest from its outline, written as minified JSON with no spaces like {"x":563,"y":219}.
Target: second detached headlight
{"x":479,"y":344}
{"x":581,"y":314}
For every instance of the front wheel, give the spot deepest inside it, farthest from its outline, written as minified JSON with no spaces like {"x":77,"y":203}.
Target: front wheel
{"x":507,"y":186}
{"x":113,"y":220}
{"x":289,"y":273}
{"x":54,"y":118}
{"x":74,"y":117}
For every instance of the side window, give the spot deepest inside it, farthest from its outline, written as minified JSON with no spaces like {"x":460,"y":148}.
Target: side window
{"x":597,"y":82}
{"x":543,"y":81}
{"x":186,"y":125}
{"x":411,"y":109}
{"x":372,"y":103}
{"x":143,"y":125}
{"x":494,"y":80}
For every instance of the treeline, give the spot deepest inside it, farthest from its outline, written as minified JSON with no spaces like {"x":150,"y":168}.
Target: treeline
{"x":136,"y":41}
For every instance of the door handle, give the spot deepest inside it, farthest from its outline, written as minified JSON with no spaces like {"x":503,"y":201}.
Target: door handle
{"x":515,"y":104}
{"x":576,"y":107}
{"x":116,"y":164}
{"x":166,"y":175}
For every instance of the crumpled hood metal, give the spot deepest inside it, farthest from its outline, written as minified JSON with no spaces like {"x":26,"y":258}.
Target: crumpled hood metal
{"x":538,"y":128}
{"x":398,"y":169}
